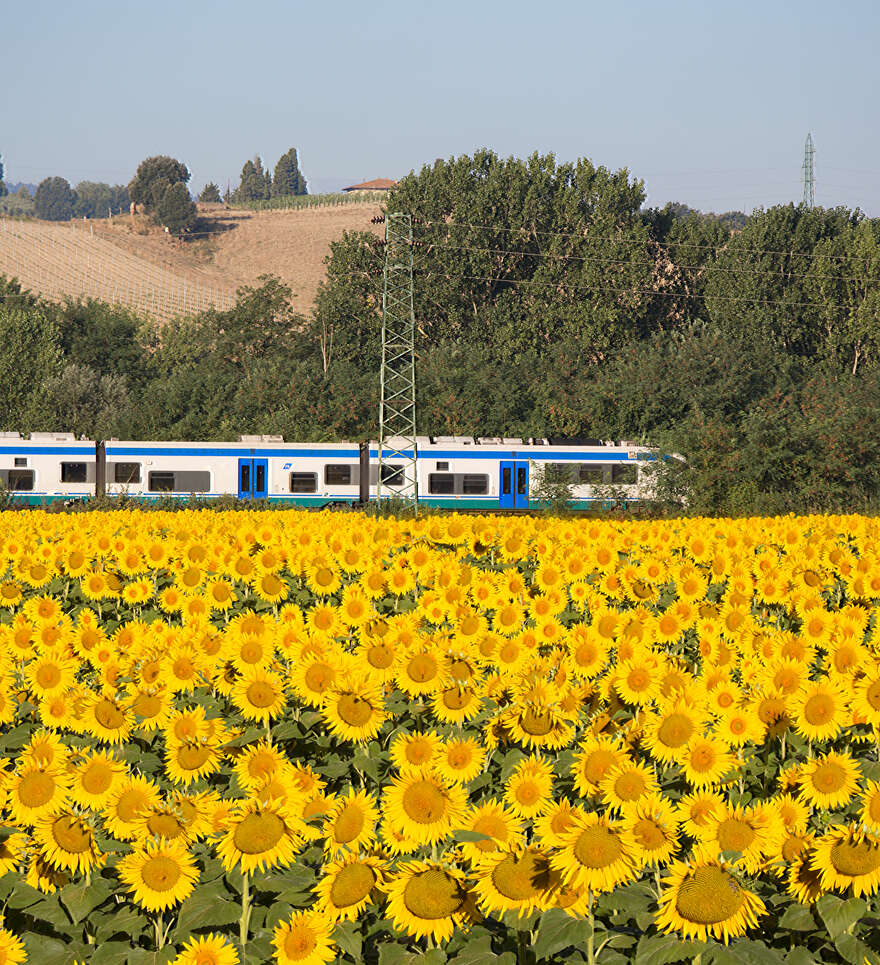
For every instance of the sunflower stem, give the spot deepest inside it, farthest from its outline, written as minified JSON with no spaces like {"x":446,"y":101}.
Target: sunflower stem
{"x":245,"y":920}
{"x":591,"y":938}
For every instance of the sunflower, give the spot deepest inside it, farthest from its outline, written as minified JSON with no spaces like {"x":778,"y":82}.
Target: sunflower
{"x":50,"y":675}
{"x":355,"y":713}
{"x":12,"y":849}
{"x":752,"y":832}
{"x":626,"y":784}
{"x":416,"y":751}
{"x":189,"y":761}
{"x":421,"y":673}
{"x":423,"y":806}
{"x":159,"y":874}
{"x":346,"y":886}
{"x":36,"y":792}
{"x":127,"y":802}
{"x":210,"y":949}
{"x":537,"y":725}
{"x":550,"y":827}
{"x":740,"y":726}
{"x":304,"y":939}
{"x":704,"y":900}
{"x":259,"y":763}
{"x":259,"y":695}
{"x":870,"y":806}
{"x":428,"y":900}
{"x":43,"y":876}
{"x":819,"y":710}
{"x":351,"y":824}
{"x":593,"y":855}
{"x":68,"y":843}
{"x":461,"y":760}
{"x":12,"y":950}
{"x":650,"y":829}
{"x":705,"y":760}
{"x":666,"y":733}
{"x":313,"y":677}
{"x":847,"y":856}
{"x":829,"y":781}
{"x":597,"y":758}
{"x":866,"y":698}
{"x":107,"y":719}
{"x":456,"y":704}
{"x":517,"y":880}
{"x":499,"y":826}
{"x":803,"y":882}
{"x":259,"y":836}
{"x":529,"y":788}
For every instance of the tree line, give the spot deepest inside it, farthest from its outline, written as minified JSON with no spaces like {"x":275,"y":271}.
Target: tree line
{"x":549,"y":301}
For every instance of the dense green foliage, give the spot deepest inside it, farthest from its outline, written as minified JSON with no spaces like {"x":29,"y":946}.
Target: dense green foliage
{"x":94,"y":199}
{"x":3,"y":189}
{"x":548,"y":302}
{"x":255,"y":184}
{"x":288,"y":179}
{"x":159,"y":185}
{"x":54,"y":200}
{"x":210,"y":193}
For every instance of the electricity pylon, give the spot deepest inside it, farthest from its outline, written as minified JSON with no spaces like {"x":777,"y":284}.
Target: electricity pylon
{"x":397,"y":404}
{"x":809,"y":173}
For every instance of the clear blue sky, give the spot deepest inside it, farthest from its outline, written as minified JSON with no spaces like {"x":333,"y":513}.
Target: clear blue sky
{"x":709,"y":102}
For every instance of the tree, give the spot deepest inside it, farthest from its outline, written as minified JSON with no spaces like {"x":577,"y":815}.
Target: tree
{"x":210,"y":194}
{"x":176,"y":210}
{"x":54,"y":200}
{"x":94,"y":199}
{"x":288,"y":177}
{"x":256,"y":184}
{"x":3,"y":191}
{"x":30,"y":355}
{"x":154,"y":176}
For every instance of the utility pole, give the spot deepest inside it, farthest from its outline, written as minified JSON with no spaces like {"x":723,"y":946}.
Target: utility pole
{"x":809,"y":172}
{"x":397,"y":377}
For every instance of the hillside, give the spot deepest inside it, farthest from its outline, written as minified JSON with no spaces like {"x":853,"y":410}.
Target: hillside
{"x":132,"y":262}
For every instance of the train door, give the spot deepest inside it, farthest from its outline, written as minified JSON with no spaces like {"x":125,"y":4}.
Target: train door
{"x":253,"y":478}
{"x":514,"y":485}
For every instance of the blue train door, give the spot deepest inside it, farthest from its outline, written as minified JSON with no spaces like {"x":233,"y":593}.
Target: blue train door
{"x":514,"y":487}
{"x":253,"y":478}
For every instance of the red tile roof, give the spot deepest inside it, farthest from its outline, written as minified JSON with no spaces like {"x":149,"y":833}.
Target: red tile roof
{"x":378,"y":184}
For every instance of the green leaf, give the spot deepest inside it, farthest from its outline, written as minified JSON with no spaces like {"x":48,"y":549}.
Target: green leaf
{"x":662,"y":949}
{"x":633,"y":900}
{"x":109,"y":953}
{"x":839,"y":915}
{"x":556,"y":931}
{"x":80,"y":899}
{"x":391,"y":953}
{"x":206,"y":907}
{"x":852,"y":950}
{"x":347,"y":937}
{"x":476,"y":952}
{"x":799,"y":956}
{"x":122,"y":920}
{"x":463,"y":834}
{"x":756,"y":953}
{"x":797,"y":918}
{"x":48,"y":951}
{"x":143,"y":956}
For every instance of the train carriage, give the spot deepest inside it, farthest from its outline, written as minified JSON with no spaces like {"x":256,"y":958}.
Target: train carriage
{"x":453,"y":472}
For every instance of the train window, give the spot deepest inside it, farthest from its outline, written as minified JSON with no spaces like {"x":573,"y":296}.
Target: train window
{"x":73,"y":472}
{"x":18,"y":480}
{"x":441,"y":483}
{"x":589,"y":474}
{"x":475,"y":484}
{"x":259,"y":477}
{"x":160,"y":482}
{"x":392,"y":475}
{"x":521,"y":481}
{"x":127,"y":472}
{"x":624,"y":474}
{"x":337,"y":475}
{"x":192,"y":481}
{"x":20,"y":462}
{"x":303,"y":482}
{"x":442,"y":467}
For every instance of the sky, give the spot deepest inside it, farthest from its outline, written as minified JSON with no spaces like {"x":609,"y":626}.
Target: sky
{"x":709,"y":103}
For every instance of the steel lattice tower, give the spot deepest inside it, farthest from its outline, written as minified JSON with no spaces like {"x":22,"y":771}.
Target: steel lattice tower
{"x":809,"y":173}
{"x":397,"y":405}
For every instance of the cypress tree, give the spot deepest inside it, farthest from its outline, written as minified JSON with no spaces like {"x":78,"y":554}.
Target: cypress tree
{"x":288,"y":177}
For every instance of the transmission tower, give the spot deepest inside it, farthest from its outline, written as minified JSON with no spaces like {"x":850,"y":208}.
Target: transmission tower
{"x":397,"y":405}
{"x":809,"y":173}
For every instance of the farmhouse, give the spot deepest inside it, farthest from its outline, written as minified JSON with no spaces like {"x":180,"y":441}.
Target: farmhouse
{"x":366,"y":187}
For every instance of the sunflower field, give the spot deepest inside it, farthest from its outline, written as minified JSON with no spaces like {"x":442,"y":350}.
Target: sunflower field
{"x":298,"y":738}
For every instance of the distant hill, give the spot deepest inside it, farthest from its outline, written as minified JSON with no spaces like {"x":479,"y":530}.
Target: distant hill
{"x":133,"y":262}
{"x":13,"y":187}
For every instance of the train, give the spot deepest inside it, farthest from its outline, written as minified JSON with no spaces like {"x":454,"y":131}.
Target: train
{"x":452,"y":472}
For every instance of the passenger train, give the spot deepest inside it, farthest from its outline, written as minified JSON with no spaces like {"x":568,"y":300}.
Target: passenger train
{"x":453,"y":472}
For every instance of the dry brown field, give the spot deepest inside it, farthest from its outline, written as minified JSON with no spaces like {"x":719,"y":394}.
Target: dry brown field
{"x":130,"y":261}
